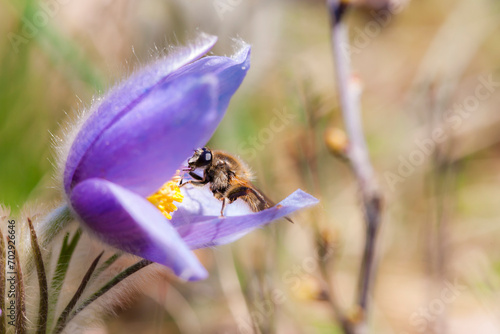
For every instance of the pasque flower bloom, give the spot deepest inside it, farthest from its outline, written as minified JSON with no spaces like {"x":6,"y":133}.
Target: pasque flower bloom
{"x":136,"y":138}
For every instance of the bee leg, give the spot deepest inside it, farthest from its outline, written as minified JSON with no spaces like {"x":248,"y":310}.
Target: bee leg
{"x":256,"y":201}
{"x":223,"y":207}
{"x":234,"y":193}
{"x":239,"y":191}
{"x":189,"y":170}
{"x":196,"y":176}
{"x":194,"y":183}
{"x":198,"y":180}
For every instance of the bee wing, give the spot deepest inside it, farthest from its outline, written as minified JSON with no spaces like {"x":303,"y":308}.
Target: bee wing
{"x":265,"y":201}
{"x":249,"y":193}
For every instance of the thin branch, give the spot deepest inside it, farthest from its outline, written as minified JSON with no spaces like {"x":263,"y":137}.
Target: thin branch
{"x":43,"y":308}
{"x":357,"y":153}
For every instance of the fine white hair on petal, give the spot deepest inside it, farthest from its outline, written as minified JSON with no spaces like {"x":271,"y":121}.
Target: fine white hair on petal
{"x":63,"y":141}
{"x":239,"y":45}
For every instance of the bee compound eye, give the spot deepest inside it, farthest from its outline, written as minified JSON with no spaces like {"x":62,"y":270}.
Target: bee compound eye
{"x":208,"y":156}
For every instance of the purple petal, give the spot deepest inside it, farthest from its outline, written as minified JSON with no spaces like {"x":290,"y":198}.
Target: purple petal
{"x":143,"y":149}
{"x":209,"y":231}
{"x":129,"y":222}
{"x":125,"y":95}
{"x":229,"y":77}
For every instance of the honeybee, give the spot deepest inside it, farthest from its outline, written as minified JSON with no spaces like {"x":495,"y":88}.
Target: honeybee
{"x":229,"y":179}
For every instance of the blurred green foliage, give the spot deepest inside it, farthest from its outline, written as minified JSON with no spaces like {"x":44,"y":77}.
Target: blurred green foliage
{"x":34,"y":58}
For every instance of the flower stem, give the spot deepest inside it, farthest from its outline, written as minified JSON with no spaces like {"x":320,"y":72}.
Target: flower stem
{"x":54,"y":223}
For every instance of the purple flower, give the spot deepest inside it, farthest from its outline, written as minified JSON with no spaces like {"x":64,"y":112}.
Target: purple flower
{"x":133,"y":142}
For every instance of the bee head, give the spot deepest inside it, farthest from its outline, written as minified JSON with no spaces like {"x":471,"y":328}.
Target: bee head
{"x":202,"y":157}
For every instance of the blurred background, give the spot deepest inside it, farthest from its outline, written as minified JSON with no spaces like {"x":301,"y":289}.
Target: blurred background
{"x":430,"y":72}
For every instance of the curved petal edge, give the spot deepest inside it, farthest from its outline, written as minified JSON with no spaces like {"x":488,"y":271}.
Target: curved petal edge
{"x":203,"y":232}
{"x":127,"y":221}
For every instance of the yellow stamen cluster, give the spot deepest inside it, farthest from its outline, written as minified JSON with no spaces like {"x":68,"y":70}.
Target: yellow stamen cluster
{"x":164,"y":198}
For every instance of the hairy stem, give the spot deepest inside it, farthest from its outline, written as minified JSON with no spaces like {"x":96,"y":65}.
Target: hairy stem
{"x":55,"y":222}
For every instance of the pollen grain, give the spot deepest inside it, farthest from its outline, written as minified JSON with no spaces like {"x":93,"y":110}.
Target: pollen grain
{"x":165,"y":197}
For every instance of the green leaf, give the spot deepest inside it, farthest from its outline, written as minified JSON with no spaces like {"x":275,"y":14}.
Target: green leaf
{"x":106,"y":264}
{"x":108,"y":286}
{"x":62,"y":321}
{"x":43,"y":308}
{"x":65,"y":255}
